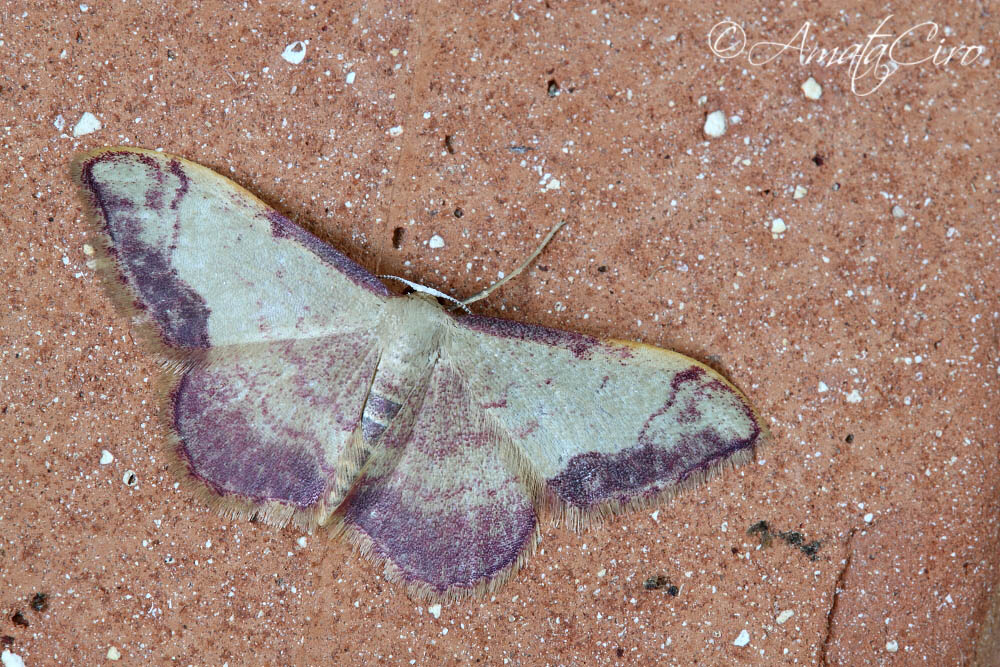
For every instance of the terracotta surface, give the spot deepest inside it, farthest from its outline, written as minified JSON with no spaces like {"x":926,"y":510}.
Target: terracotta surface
{"x":893,"y":469}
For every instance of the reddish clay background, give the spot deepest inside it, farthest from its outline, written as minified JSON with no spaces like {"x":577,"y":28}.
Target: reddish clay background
{"x":668,"y":241}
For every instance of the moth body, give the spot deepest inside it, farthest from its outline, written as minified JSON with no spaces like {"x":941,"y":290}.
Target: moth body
{"x":410,"y":329}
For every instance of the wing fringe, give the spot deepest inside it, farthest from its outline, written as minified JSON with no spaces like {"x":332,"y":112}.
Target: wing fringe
{"x":363,"y":545}
{"x":579,"y":519}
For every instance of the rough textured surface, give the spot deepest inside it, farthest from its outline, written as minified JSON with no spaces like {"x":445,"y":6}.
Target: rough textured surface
{"x":456,"y":124}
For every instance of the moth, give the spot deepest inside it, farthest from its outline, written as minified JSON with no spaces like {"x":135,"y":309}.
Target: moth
{"x":304,"y":390}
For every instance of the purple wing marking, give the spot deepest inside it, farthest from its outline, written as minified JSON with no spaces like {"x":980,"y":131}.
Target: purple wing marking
{"x":259,"y":425}
{"x":440,"y":548}
{"x":282,"y":227}
{"x":442,"y":507}
{"x":179,"y":310}
{"x":665,"y":455}
{"x":224,"y":450}
{"x":579,"y":344}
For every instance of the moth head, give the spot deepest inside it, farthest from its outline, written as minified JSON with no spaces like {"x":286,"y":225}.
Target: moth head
{"x":425,"y":293}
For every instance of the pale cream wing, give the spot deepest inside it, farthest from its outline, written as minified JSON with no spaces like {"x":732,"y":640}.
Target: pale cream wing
{"x":604,"y":424}
{"x":209,"y":264}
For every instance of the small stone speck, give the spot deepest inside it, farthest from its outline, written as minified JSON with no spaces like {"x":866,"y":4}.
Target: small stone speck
{"x":822,"y":388}
{"x":350,"y":78}
{"x":295,"y":52}
{"x":88,"y":250}
{"x":869,"y":517}
{"x":396,"y":131}
{"x":88,"y":123}
{"x":854,"y":396}
{"x":743,"y":639}
{"x":11,"y":659}
{"x":106,"y":457}
{"x":715,"y":124}
{"x":778,"y":226}
{"x":434,"y":610}
{"x":812,"y":89}
{"x":436,"y":242}
{"x":784,"y":616}
{"x":800,"y":192}
{"x":302,"y":541}
{"x":114,"y":653}
{"x":898,"y":212}
{"x":892,"y":646}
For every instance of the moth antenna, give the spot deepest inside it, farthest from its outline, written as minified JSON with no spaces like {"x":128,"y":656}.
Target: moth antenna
{"x":417,"y":287}
{"x":489,"y":290}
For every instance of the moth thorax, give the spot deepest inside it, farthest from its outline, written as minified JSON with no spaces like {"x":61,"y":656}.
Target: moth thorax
{"x":414,"y":312}
{"x":411,"y":328}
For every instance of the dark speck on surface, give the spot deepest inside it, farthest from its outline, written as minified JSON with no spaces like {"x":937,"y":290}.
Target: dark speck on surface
{"x":791,"y":537}
{"x":40,"y":602}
